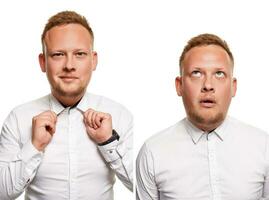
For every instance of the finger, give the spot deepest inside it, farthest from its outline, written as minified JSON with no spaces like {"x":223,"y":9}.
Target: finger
{"x":54,"y":116}
{"x":87,"y":112}
{"x":85,"y":117}
{"x":94,"y":120}
{"x":48,"y":124}
{"x":91,"y":131}
{"x":47,"y":112}
{"x":105,"y":117}
{"x":50,"y":114}
{"x":50,"y":127}
{"x":99,"y":118}
{"x":40,"y":121}
{"x":89,"y":117}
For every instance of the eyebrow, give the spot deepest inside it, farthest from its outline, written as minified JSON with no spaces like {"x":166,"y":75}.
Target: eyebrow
{"x":195,"y":68}
{"x":199,"y":68}
{"x":220,"y":68}
{"x":64,"y":50}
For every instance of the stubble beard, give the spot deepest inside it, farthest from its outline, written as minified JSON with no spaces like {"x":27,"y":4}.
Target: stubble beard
{"x":64,"y":93}
{"x":206,"y":119}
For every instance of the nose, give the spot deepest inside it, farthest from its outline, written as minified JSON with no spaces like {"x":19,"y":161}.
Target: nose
{"x":208,"y":85}
{"x":69,"y":64}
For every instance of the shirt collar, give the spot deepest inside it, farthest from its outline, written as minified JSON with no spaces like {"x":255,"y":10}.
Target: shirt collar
{"x":88,"y":101}
{"x":220,"y":131}
{"x":55,"y":105}
{"x":196,"y":133}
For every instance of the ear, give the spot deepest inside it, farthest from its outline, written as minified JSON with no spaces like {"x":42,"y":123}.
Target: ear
{"x":94,"y":60}
{"x":178,"y":84}
{"x":42,"y":62}
{"x":234,"y":86}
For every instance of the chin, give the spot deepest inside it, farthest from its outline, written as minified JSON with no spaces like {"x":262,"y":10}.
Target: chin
{"x":208,"y":117}
{"x":70,"y":92}
{"x":214,"y":120}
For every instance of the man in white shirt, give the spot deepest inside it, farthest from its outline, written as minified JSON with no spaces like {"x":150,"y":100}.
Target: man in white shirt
{"x":207,"y":155}
{"x":70,"y":143}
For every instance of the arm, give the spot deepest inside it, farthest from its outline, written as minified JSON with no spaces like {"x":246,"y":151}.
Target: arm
{"x":18,"y":163}
{"x":146,"y":188}
{"x":118,"y":154}
{"x":266,"y":178}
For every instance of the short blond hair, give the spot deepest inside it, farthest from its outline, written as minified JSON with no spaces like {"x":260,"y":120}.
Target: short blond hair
{"x":204,"y":40}
{"x":65,"y":17}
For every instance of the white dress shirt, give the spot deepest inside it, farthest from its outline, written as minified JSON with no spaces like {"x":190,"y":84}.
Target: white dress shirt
{"x":72,"y":165}
{"x":185,"y":163}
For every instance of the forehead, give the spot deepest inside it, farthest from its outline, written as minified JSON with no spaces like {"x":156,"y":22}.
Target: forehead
{"x":68,"y":36}
{"x":207,"y":57}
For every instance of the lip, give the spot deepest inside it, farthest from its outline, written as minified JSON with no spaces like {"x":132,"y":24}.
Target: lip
{"x":207,"y":102}
{"x":68,"y":78}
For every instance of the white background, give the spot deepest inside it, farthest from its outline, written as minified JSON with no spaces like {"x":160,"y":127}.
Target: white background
{"x":139,"y":43}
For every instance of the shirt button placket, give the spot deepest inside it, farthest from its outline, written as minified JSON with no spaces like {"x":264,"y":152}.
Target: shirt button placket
{"x":72,"y":157}
{"x":213,"y":168}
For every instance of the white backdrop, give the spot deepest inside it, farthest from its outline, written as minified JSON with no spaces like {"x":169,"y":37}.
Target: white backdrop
{"x":139,"y":42}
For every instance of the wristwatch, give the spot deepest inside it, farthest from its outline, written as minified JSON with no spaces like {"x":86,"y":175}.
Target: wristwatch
{"x":115,"y":136}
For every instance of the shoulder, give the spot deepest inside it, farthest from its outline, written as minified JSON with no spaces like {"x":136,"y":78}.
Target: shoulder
{"x":167,"y":137}
{"x":33,"y":106}
{"x":105,"y":104}
{"x":247,"y":135}
{"x":20,"y":117}
{"x":245,"y":129}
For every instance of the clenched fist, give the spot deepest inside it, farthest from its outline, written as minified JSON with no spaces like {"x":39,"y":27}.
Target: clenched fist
{"x":98,"y":125}
{"x":43,"y":128}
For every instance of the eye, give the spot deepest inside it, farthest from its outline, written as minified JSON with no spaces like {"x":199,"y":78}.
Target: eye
{"x":196,"y":73}
{"x":57,"y":54}
{"x":220,"y":74}
{"x":81,"y":54}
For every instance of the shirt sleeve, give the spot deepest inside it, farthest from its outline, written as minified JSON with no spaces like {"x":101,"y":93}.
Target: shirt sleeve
{"x":118,"y":154}
{"x":266,"y":178}
{"x":146,"y":188}
{"x":18,"y":162}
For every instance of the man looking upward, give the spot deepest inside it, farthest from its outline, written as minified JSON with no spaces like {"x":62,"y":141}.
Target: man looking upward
{"x":207,"y":155}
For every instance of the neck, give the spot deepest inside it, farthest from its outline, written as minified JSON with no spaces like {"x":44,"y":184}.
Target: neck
{"x":207,"y":127}
{"x":68,"y":101}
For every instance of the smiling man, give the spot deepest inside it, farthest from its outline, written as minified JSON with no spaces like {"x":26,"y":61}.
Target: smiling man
{"x":70,"y":143}
{"x":207,"y":155}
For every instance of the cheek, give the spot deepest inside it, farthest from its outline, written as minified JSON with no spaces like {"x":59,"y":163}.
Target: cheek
{"x":85,"y":72}
{"x":54,"y":67}
{"x":84,"y":65}
{"x":50,"y":71}
{"x":52,"y":74}
{"x":225,"y":95}
{"x":191,"y":90}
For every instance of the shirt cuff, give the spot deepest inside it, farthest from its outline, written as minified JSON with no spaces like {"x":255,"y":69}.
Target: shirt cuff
{"x":109,"y":151}
{"x":31,"y":159}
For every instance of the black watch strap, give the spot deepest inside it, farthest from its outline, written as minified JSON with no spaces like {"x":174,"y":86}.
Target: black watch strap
{"x":115,"y":136}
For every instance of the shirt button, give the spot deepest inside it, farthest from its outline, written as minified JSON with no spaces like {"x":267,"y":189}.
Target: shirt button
{"x":110,"y":151}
